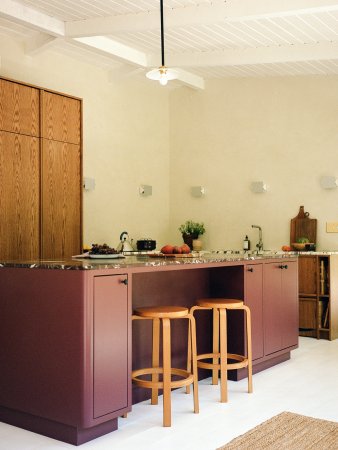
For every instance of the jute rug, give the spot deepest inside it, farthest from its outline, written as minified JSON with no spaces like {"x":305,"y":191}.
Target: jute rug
{"x":288,"y":431}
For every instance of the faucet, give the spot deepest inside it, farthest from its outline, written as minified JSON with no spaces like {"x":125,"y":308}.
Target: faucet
{"x":259,"y":245}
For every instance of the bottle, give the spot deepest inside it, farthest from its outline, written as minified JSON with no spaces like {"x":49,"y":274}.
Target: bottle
{"x":246,"y":244}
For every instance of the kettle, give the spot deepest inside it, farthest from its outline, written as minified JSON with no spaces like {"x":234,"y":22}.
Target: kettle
{"x":125,"y":244}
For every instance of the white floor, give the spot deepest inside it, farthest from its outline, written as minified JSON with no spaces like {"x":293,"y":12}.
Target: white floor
{"x":307,"y":384}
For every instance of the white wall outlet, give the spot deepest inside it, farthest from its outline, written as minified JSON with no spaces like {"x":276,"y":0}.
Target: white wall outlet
{"x":332,"y":227}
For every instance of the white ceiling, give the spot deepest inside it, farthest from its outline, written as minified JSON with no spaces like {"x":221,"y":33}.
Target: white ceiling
{"x":203,"y":38}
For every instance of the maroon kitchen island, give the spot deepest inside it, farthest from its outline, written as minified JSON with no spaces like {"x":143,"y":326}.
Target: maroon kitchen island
{"x":66,"y":338}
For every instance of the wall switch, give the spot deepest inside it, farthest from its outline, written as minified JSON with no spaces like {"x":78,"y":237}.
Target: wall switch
{"x":332,"y":227}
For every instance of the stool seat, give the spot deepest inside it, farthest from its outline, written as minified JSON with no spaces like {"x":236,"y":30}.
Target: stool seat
{"x":160,"y":312}
{"x":220,"y":303}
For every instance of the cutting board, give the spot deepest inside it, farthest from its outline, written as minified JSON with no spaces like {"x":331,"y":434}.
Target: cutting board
{"x":303,"y":226}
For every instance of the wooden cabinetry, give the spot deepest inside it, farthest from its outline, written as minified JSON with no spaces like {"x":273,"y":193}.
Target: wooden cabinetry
{"x":40,"y":173}
{"x":19,"y":196}
{"x":318,"y":291}
{"x":61,"y":118}
{"x":61,"y":193}
{"x":20,"y":111}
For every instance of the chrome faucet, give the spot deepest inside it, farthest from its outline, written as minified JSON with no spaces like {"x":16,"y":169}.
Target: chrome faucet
{"x":259,"y":245}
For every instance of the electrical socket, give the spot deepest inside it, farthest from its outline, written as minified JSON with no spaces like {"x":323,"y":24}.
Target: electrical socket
{"x":332,"y":227}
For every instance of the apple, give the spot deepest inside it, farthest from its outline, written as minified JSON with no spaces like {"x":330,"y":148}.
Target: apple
{"x":286,"y":248}
{"x":185,"y":248}
{"x":167,"y":249}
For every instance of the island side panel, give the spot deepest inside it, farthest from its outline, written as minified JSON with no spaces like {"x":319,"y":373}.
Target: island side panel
{"x":41,"y":335}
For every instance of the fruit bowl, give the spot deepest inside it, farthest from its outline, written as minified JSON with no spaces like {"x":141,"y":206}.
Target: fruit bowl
{"x":300,"y":246}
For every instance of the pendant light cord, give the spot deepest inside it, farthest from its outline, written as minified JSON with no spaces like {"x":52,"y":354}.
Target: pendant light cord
{"x":162,"y":33}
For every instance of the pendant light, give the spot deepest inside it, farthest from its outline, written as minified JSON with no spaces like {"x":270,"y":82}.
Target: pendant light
{"x":162,"y":74}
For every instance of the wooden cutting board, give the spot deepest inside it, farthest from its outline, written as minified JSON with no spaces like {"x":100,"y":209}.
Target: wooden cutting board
{"x":303,"y":226}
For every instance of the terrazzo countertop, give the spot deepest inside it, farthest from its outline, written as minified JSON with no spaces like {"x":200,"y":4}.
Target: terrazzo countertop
{"x":141,"y":261}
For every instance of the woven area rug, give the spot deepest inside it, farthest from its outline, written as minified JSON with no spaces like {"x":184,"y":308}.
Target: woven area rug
{"x":288,"y":431}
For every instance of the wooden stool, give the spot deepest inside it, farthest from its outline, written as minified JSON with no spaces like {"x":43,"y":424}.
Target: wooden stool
{"x":220,"y":355}
{"x":165,"y":314}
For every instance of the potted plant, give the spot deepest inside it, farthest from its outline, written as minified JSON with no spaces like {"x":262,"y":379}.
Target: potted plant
{"x":191,"y":231}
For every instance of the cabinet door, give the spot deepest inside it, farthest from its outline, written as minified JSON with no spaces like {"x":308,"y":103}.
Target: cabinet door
{"x":61,"y":199}
{"x":272,"y":308}
{"x":19,"y":108}
{"x":254,"y":300}
{"x":19,"y":196}
{"x":289,"y":304}
{"x":110,"y":346}
{"x":280,"y":306}
{"x":61,"y":118}
{"x":307,"y":275}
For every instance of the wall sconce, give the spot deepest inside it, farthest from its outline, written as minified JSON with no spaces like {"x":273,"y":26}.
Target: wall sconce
{"x":88,"y":184}
{"x":328,"y":182}
{"x":145,"y":190}
{"x":258,"y":187}
{"x":197,"y":191}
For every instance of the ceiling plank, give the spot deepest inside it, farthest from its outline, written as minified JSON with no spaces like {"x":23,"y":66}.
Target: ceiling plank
{"x":18,"y":13}
{"x":261,"y":55}
{"x":203,"y":14}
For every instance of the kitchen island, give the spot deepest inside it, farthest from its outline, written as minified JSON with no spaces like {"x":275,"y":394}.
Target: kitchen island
{"x":66,"y":338}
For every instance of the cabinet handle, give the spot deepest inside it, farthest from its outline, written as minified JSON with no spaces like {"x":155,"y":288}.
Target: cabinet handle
{"x":285,"y":266}
{"x":125,"y":281}
{"x":250,"y":269}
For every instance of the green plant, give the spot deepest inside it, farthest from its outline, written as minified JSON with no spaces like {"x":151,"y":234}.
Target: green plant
{"x":192,"y":228}
{"x":302,"y":240}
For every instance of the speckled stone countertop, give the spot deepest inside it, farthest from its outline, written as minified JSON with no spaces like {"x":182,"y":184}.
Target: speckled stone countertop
{"x":130,"y":262}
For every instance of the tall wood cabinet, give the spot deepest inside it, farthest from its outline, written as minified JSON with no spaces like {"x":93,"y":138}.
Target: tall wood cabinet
{"x":318,"y":296}
{"x":40,"y":173}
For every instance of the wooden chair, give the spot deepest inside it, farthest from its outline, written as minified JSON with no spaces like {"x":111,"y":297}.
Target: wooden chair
{"x":165,"y":314}
{"x":220,"y":356}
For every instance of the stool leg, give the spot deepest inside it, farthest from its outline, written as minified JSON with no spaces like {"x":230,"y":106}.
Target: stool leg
{"x":215,"y":343}
{"x":166,"y":373}
{"x":192,"y":328}
{"x":155,"y":358}
{"x":187,"y":389}
{"x":249,"y":347}
{"x":224,"y":355}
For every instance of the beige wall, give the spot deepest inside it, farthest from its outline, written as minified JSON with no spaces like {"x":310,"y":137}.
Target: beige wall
{"x":126,"y":142}
{"x":283,"y":131}
{"x":279,"y":130}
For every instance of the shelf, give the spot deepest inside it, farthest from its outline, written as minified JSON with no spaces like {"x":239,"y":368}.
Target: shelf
{"x":314,"y":296}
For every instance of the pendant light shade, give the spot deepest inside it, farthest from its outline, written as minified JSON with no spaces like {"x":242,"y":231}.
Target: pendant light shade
{"x":162,"y":74}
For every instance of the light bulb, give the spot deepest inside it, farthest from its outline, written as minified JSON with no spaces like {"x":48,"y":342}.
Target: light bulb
{"x":163,"y":79}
